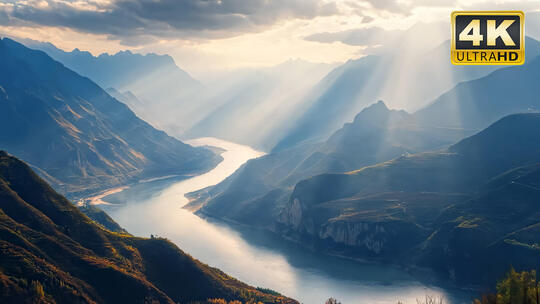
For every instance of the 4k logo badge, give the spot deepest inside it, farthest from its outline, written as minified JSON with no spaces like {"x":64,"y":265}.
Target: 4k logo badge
{"x":488,"y":37}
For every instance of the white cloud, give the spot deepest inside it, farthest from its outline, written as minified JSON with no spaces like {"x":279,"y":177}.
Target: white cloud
{"x":229,"y":33}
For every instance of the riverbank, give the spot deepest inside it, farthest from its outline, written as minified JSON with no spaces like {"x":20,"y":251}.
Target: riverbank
{"x":426,"y":276}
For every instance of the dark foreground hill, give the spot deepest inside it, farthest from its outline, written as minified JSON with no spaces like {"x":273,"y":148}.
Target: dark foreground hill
{"x":52,"y":253}
{"x":77,"y":136}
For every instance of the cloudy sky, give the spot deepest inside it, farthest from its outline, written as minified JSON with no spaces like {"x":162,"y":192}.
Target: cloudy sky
{"x":205,"y":34}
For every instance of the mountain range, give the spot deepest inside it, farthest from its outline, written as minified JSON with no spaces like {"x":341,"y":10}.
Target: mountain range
{"x":478,"y":103}
{"x":283,"y":110}
{"x":154,"y":79}
{"x":376,"y":134}
{"x":74,"y":134}
{"x":122,"y":70}
{"x":229,"y":106}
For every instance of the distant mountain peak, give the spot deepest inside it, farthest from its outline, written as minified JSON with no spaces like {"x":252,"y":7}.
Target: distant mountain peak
{"x":127,"y":52}
{"x":122,"y":70}
{"x":375,"y":107}
{"x":378,"y":113}
{"x":379,"y":104}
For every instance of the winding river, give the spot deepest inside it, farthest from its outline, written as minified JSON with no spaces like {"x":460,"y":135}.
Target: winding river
{"x":256,"y":257}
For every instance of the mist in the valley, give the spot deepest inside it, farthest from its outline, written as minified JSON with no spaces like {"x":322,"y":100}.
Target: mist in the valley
{"x":251,"y":106}
{"x":407,"y":69}
{"x":255,"y":106}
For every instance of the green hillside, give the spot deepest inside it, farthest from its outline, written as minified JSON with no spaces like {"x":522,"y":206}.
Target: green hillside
{"x":52,"y":253}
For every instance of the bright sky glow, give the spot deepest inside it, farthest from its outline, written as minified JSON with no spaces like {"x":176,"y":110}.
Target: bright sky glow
{"x":205,"y":35}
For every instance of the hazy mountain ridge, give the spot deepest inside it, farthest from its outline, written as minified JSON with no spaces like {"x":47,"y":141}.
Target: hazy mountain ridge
{"x":333,"y":98}
{"x":53,"y":253}
{"x":357,"y":83}
{"x":121,"y":70}
{"x":476,"y":104}
{"x":74,"y":132}
{"x":154,"y":79}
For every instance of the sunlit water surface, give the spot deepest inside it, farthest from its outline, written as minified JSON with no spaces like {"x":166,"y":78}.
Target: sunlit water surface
{"x":257,"y":257}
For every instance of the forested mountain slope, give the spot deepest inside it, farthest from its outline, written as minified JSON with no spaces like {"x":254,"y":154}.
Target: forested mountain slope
{"x":53,"y":253}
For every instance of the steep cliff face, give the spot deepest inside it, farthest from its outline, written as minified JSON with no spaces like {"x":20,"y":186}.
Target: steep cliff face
{"x":292,"y":214}
{"x":371,"y":236}
{"x":363,"y":226}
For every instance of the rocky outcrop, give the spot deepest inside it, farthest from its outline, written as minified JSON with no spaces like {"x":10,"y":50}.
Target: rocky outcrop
{"x":371,"y":236}
{"x":292,"y":215}
{"x":364,"y":232}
